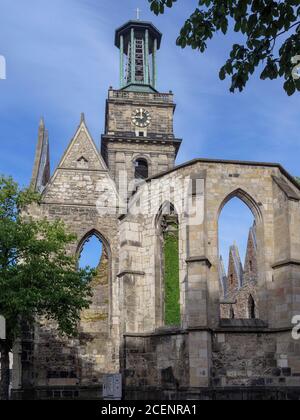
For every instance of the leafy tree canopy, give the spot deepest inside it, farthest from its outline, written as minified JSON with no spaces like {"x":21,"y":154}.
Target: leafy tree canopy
{"x":38,"y":277}
{"x":271,"y":30}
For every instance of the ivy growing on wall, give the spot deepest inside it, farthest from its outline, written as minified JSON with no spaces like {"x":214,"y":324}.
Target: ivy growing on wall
{"x":171,"y":263}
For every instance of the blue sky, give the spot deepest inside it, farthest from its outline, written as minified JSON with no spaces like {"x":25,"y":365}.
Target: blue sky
{"x":61,"y":61}
{"x":91,"y":253}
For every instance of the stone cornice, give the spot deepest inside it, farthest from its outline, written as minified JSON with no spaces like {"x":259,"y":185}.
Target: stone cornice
{"x":146,"y":140}
{"x":231,"y":162}
{"x":288,"y":191}
{"x":131,"y":273}
{"x":217,"y":330}
{"x":201,"y":259}
{"x":286,"y":263}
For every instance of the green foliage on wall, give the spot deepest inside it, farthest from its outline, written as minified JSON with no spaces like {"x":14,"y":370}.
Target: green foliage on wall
{"x":172,"y":292}
{"x":298,"y":180}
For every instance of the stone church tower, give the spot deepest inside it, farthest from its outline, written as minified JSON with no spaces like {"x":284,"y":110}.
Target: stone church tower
{"x":85,"y":192}
{"x":156,"y":311}
{"x":139,"y":139}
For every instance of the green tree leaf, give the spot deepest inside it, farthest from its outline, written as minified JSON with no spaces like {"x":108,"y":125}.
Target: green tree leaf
{"x":38,"y":276}
{"x":271,"y":30}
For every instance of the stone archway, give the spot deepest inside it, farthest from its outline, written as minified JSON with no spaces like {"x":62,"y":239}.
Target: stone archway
{"x":94,"y":326}
{"x":240,"y":279}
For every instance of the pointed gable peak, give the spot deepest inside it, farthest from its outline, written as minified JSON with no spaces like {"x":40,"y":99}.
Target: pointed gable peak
{"x":41,"y":168}
{"x":42,"y":122}
{"x":234,"y":256}
{"x":82,"y":152}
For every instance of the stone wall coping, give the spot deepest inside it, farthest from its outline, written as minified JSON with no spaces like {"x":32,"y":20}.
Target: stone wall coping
{"x":219,"y":330}
{"x":202,"y":258}
{"x":288,"y":191}
{"x":63,"y":168}
{"x":230,"y":162}
{"x":75,"y":205}
{"x":243,"y":323}
{"x":228,"y":302}
{"x":131,"y":273}
{"x":285,"y":263}
{"x":158,"y":96}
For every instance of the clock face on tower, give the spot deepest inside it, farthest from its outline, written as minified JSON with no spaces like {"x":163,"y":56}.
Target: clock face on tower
{"x":141,"y":118}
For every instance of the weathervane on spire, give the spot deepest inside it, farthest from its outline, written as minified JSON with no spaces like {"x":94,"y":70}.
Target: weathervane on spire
{"x":138,"y":14}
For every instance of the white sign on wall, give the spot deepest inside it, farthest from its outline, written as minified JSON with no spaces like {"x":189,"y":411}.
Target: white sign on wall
{"x":2,"y":328}
{"x":112,"y":387}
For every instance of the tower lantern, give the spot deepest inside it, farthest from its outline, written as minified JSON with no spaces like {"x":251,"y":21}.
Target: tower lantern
{"x":138,"y":43}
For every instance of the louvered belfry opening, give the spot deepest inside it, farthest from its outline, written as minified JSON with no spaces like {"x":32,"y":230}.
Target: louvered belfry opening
{"x":138,"y":43}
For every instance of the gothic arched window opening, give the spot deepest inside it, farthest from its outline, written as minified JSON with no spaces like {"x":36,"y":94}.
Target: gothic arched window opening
{"x":141,"y":169}
{"x":91,"y":252}
{"x":94,"y":252}
{"x":238,"y":255}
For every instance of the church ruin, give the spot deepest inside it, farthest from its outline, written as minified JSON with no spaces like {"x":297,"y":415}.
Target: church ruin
{"x":164,"y":313}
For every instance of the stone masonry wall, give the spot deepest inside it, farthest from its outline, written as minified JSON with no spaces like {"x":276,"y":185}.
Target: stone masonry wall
{"x":80,"y":189}
{"x":122,"y":105}
{"x":159,"y":365}
{"x":158,"y":361}
{"x":253,"y":359}
{"x":199,"y":278}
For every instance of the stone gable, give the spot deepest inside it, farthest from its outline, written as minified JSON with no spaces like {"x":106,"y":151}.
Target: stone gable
{"x":82,"y":152}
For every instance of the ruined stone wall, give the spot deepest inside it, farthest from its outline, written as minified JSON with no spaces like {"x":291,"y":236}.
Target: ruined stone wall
{"x":80,"y":194}
{"x":199,"y":279}
{"x":250,"y":266}
{"x":156,"y":362}
{"x":203,"y":353}
{"x":257,"y":359}
{"x":141,"y":261}
{"x":233,"y":280}
{"x":84,"y":360}
{"x":244,"y":360}
{"x":159,"y":365}
{"x":240,"y":303}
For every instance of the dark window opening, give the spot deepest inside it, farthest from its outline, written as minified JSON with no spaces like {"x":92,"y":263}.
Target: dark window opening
{"x":82,"y":159}
{"x":141,"y":169}
{"x":252,"y":308}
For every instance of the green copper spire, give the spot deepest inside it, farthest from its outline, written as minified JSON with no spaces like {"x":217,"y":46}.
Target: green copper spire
{"x":138,"y":42}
